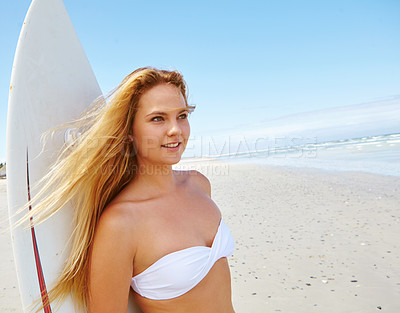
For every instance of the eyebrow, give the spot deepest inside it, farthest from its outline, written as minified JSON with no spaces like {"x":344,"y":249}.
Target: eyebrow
{"x":163,"y":113}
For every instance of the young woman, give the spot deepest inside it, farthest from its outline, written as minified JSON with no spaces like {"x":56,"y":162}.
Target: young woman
{"x":139,"y":223}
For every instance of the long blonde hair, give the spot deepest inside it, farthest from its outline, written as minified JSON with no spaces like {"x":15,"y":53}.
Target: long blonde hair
{"x":92,"y":177}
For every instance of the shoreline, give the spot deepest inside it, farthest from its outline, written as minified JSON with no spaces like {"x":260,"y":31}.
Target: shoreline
{"x":380,"y":169}
{"x":306,"y":240}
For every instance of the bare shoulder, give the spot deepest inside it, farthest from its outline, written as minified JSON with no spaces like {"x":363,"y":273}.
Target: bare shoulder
{"x":199,"y":180}
{"x":116,"y":214}
{"x":116,"y":223}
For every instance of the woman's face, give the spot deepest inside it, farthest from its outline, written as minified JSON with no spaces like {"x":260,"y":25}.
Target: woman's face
{"x":161,"y":127}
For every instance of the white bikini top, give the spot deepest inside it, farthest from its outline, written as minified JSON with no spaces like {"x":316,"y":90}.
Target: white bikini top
{"x":178,"y":272}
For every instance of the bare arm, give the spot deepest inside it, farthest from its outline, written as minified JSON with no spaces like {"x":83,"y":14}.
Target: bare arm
{"x":111,"y":264}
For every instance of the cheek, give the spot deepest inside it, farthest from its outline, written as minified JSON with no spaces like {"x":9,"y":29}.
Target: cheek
{"x":186,"y":129}
{"x":151,"y":137}
{"x":146,"y":138}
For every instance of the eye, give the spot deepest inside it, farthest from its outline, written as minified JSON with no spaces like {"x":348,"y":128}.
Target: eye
{"x":183,"y":116}
{"x":157,"y":119}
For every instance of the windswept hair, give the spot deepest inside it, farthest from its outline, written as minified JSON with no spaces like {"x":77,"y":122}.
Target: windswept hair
{"x":93,"y":168}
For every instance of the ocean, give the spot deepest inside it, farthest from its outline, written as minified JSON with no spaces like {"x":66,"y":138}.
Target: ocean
{"x":375,"y":154}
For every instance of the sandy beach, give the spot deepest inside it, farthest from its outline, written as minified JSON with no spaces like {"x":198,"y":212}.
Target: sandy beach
{"x":9,"y":294}
{"x":306,"y":240}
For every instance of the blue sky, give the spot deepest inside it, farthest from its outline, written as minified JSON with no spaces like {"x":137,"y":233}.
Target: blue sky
{"x":245,"y":61}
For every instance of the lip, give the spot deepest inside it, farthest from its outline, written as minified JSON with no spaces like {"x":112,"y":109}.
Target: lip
{"x":171,"y":143}
{"x":172,"y":149}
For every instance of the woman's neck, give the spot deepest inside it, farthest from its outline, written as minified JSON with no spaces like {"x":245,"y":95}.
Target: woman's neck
{"x":156,"y":177}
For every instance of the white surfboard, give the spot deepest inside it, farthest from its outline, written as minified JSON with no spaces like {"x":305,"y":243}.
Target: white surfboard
{"x":52,"y":83}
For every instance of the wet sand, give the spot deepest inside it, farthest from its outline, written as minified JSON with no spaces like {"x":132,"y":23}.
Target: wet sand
{"x":306,"y":240}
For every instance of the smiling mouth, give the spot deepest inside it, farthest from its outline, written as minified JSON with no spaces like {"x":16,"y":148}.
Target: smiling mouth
{"x":171,"y":145}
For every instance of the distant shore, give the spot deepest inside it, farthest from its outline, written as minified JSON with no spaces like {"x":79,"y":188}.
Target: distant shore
{"x":307,"y":240}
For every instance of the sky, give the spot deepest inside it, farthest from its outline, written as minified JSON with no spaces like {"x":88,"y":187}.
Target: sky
{"x":245,"y":62}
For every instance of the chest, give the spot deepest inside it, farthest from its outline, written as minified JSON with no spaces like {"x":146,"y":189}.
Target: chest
{"x":175,"y":223}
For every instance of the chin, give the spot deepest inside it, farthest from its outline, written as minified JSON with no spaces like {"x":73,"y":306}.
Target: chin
{"x":173,"y":161}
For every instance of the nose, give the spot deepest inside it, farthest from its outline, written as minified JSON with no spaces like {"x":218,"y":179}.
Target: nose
{"x":174,"y":129}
